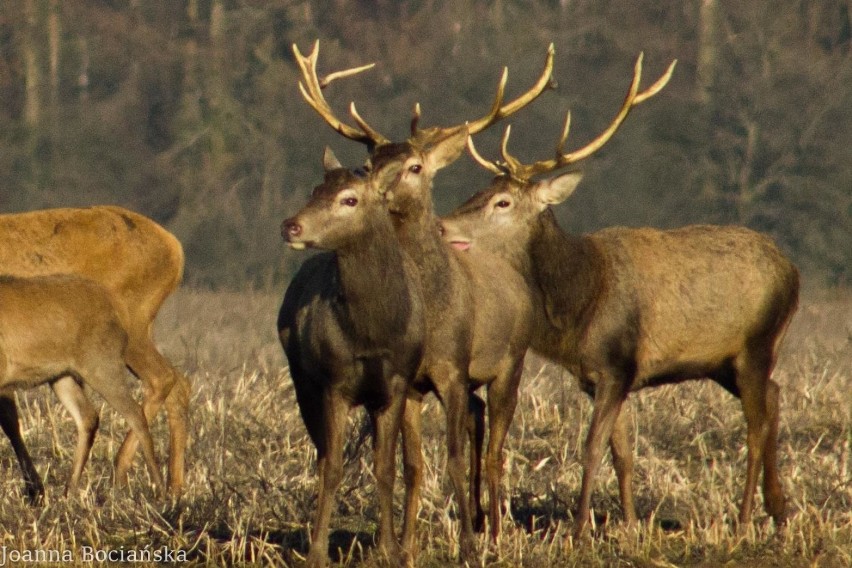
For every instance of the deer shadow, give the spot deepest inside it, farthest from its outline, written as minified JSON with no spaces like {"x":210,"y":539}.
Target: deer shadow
{"x":544,"y":516}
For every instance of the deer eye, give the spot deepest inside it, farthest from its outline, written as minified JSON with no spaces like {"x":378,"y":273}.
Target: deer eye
{"x":349,"y":201}
{"x":415,"y":169}
{"x":503,"y":203}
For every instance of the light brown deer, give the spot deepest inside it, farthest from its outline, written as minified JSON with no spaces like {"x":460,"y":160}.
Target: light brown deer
{"x":348,"y":345}
{"x":477,"y":316}
{"x":64,"y":330}
{"x":139,"y":263}
{"x":624,"y":309}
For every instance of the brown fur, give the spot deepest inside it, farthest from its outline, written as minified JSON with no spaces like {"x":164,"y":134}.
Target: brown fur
{"x":139,"y":263}
{"x":351,"y":325}
{"x":624,"y":309}
{"x":64,"y":330}
{"x":477,"y":322}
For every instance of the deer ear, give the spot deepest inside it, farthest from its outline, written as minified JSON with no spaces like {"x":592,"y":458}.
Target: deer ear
{"x":448,"y":150}
{"x":330,"y":161}
{"x":384,"y":178}
{"x":558,"y":189}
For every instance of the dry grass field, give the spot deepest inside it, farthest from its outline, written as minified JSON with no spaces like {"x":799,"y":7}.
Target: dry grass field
{"x":251,"y":466}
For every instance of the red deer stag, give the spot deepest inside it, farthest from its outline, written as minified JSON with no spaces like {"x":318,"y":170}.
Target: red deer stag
{"x":477,"y":317}
{"x":351,"y":325}
{"x":139,"y":263}
{"x":64,"y":330}
{"x":624,"y":309}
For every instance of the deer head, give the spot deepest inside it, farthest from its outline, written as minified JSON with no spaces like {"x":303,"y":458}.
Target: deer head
{"x":340,"y":212}
{"x":427,"y":150}
{"x":502,"y":213}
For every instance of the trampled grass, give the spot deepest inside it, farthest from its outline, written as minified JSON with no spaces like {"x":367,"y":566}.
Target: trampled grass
{"x":251,"y":473}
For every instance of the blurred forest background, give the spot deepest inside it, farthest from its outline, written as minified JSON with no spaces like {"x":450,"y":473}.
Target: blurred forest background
{"x":188,"y":111}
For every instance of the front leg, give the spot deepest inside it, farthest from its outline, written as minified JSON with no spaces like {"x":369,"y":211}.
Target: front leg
{"x":330,"y":465}
{"x":454,"y":394}
{"x":622,"y":460}
{"x":387,"y":424}
{"x":476,"y":435}
{"x":609,"y":396}
{"x":412,"y":458}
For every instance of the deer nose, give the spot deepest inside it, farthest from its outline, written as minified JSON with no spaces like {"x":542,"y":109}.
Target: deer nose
{"x":290,"y":228}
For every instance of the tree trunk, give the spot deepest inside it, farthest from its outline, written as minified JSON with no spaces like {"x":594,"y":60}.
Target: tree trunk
{"x":32,"y":75}
{"x":707,"y":50}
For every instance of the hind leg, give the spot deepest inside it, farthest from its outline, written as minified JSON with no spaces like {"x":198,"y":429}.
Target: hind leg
{"x":162,"y":384}
{"x":78,"y":405}
{"x":752,"y":382}
{"x":110,"y":382}
{"x":12,"y":428}
{"x":773,"y":492}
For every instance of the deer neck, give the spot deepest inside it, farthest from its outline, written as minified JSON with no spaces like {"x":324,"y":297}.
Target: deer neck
{"x":419,"y":237}
{"x":567,"y":271}
{"x":375,"y":291}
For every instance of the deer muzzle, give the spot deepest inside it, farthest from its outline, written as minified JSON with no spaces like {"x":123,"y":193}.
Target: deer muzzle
{"x":291,"y":230}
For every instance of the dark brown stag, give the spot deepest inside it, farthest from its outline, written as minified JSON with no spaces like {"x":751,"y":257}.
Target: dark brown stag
{"x":477,"y":315}
{"x":347,"y":343}
{"x":140,"y":264}
{"x":624,"y":309}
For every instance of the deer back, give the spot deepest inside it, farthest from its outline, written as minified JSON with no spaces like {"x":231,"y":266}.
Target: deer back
{"x":134,"y":258}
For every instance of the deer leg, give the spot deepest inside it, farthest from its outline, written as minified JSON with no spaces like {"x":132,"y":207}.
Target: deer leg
{"x":12,"y":428}
{"x":387,"y":427}
{"x":476,"y":435}
{"x":773,"y":492}
{"x":752,"y":383}
{"x":161,"y":383}
{"x":453,"y":392}
{"x":75,"y":401}
{"x":412,"y":459}
{"x":502,"y":400}
{"x":609,"y":396}
{"x":330,"y":468}
{"x":622,"y":460}
{"x":109,"y":384}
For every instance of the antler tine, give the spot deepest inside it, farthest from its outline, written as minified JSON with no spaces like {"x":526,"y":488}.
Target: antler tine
{"x":522,"y":172}
{"x":494,"y":112}
{"x":326,"y":81}
{"x":311,"y":91}
{"x":415,"y":118}
{"x":490,"y":166}
{"x":498,"y":112}
{"x":510,"y":162}
{"x":657,"y":86}
{"x":362,"y":124}
{"x":603,"y":137}
{"x":633,"y":98}
{"x":561,"y":145}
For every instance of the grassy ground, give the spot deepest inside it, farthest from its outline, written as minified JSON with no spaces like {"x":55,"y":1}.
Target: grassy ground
{"x":251,"y":467}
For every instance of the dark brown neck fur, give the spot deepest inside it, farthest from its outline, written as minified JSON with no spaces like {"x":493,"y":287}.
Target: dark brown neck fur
{"x":366,"y":272}
{"x":569,"y":273}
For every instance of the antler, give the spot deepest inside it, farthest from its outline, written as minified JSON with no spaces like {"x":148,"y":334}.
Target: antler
{"x":311,"y":91}
{"x":511,"y":166}
{"x":498,"y":110}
